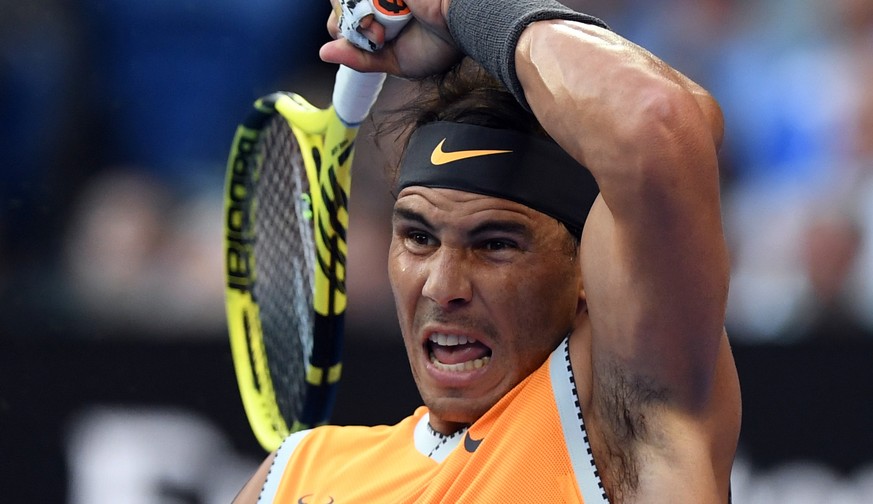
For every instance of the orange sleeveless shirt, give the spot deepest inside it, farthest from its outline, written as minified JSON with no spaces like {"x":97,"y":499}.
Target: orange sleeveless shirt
{"x":530,"y":447}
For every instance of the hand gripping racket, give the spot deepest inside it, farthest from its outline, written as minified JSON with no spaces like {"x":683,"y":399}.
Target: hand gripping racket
{"x":286,"y":216}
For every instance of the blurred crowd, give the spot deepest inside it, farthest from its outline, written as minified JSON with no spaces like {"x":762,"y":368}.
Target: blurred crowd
{"x":117,"y":117}
{"x":792,"y":77}
{"x":117,"y":120}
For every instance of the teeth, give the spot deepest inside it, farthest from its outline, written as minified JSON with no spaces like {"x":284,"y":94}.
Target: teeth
{"x":461,"y":366}
{"x":450,"y":339}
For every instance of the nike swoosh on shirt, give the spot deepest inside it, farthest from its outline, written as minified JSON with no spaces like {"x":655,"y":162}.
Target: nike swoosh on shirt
{"x":470,"y":444}
{"x":440,"y":157}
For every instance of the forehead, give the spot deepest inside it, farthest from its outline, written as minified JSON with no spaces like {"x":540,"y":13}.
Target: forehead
{"x":441,"y":206}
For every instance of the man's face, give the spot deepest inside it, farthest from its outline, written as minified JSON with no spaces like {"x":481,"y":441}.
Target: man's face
{"x":485,"y":289}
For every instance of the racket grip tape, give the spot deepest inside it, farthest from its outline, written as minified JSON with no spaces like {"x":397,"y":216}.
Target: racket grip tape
{"x":354,"y":92}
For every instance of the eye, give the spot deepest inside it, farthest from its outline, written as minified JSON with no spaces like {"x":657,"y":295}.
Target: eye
{"x":497,"y":245}
{"x":418,"y":237}
{"x":418,"y":240}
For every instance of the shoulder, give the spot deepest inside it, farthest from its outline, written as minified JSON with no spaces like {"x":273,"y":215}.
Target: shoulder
{"x":274,"y":462}
{"x":320,"y":447}
{"x":252,"y":489}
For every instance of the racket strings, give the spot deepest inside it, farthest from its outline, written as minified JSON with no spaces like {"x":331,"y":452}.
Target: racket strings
{"x":284,"y":264}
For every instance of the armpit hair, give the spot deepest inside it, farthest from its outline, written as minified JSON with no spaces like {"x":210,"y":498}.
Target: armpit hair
{"x":627,"y":402}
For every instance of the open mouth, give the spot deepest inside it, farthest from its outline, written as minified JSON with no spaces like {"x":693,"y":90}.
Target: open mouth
{"x":455,"y":353}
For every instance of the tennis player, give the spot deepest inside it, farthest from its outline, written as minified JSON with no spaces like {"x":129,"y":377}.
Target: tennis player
{"x":559,"y":269}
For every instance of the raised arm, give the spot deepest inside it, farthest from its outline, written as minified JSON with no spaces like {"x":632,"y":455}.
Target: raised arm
{"x":655,"y":263}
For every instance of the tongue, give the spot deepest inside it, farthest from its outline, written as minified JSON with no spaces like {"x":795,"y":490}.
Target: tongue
{"x":460,"y":353}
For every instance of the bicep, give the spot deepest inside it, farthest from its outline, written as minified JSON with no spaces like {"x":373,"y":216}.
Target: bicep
{"x":656,"y":285}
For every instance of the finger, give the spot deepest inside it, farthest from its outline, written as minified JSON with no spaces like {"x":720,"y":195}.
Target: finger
{"x":333,"y":25}
{"x":373,"y":31}
{"x":343,"y":52}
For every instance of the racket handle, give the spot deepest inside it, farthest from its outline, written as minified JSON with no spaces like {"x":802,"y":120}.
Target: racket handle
{"x":354,"y":94}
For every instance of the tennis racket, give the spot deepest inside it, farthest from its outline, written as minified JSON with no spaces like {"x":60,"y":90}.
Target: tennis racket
{"x":286,"y":216}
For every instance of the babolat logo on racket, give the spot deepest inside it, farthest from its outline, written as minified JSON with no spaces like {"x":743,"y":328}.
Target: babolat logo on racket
{"x":392,"y":7}
{"x":239,"y":200}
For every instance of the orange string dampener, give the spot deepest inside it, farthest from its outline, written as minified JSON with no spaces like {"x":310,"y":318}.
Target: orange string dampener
{"x":391,"y":14}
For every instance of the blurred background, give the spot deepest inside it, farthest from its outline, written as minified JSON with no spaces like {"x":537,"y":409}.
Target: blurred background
{"x":116,"y":382}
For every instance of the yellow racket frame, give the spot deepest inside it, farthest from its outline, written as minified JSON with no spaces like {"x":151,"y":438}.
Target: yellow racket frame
{"x":321,"y":133}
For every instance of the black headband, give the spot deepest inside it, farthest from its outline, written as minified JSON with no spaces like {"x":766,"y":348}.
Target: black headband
{"x":508,"y":164}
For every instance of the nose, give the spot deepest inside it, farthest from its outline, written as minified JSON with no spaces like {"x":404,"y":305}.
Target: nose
{"x":448,"y":281}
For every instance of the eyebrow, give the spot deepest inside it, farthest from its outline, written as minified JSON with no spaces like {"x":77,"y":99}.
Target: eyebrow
{"x":491,"y":226}
{"x":411,"y":215}
{"x":501,"y":226}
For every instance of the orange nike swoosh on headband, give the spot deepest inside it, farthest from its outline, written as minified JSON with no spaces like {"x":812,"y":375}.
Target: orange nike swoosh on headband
{"x":440,"y":157}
